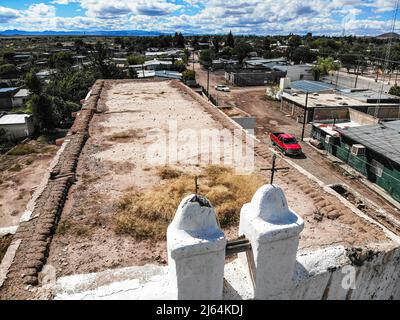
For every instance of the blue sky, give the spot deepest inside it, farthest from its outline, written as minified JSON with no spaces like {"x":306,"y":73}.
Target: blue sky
{"x":367,"y":17}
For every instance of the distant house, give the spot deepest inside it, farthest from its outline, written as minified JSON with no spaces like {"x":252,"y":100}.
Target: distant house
{"x":45,"y":74}
{"x":17,"y":126}
{"x":6,"y":95}
{"x":258,"y":63}
{"x":253,"y":76}
{"x":296,"y":72}
{"x":19,"y":99}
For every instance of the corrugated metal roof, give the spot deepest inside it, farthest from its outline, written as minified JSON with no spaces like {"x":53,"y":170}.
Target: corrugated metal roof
{"x":381,"y":138}
{"x":5,"y":90}
{"x":14,"y":118}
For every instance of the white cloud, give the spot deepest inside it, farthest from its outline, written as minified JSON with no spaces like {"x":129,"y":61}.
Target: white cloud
{"x":7,"y":14}
{"x":213,"y":16}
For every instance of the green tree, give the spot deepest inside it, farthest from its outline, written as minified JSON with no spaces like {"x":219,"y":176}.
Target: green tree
{"x":303,"y":55}
{"x":188,"y":75}
{"x":61,"y":60}
{"x":101,"y":57}
{"x":33,"y":83}
{"x":395,"y":90}
{"x":135,"y":59}
{"x":230,"y":40}
{"x":242,"y":50}
{"x":7,"y":69}
{"x":179,"y":40}
{"x":206,"y":56}
{"x":294,"y":41}
{"x":42,"y":113}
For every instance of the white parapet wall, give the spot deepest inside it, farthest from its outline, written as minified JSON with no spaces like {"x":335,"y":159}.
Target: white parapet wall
{"x":196,"y":251}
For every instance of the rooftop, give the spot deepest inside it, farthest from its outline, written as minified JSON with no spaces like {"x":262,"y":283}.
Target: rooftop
{"x":13,"y":119}
{"x":22,"y":93}
{"x":6,"y":90}
{"x":381,"y":138}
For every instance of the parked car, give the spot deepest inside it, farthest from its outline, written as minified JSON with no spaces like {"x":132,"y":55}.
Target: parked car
{"x":286,"y":143}
{"x":222,"y":87}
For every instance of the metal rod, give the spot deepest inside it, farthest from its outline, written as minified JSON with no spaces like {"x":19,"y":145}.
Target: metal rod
{"x":273,"y":169}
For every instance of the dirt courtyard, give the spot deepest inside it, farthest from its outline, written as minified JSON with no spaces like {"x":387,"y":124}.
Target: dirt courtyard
{"x":126,"y":146}
{"x":20,"y":175}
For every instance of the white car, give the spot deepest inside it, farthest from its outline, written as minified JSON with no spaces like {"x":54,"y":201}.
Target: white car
{"x":222,"y":87}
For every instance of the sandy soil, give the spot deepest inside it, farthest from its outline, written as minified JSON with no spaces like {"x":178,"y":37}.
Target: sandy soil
{"x":113,"y":161}
{"x":19,"y":176}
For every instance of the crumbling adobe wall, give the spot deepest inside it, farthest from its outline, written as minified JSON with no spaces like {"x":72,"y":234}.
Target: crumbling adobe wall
{"x":34,"y":236}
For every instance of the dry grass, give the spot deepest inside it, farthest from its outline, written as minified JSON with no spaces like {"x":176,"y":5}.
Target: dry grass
{"x":146,"y":214}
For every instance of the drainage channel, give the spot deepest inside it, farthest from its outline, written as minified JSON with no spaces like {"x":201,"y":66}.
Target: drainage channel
{"x":367,"y":208}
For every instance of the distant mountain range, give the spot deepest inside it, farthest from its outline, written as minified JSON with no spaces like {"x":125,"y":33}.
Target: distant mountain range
{"x":81,"y":33}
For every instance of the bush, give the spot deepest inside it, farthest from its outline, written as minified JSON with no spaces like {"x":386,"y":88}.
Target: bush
{"x":7,"y":69}
{"x":188,"y":75}
{"x":395,"y":90}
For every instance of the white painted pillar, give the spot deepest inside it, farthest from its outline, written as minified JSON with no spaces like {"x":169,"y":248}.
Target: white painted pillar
{"x":196,"y":251}
{"x":273,"y":230}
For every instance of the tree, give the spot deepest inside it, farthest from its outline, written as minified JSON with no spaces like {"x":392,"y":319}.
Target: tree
{"x":179,"y":40}
{"x":42,"y":112}
{"x":230,"y":40}
{"x":135,"y":59}
{"x":294,"y":41}
{"x":395,"y":90}
{"x":303,"y":55}
{"x":61,"y":60}
{"x":242,"y":50}
{"x":7,"y":69}
{"x":216,"y":43}
{"x":188,"y":75}
{"x":101,"y":62}
{"x":349,"y":61}
{"x":206,"y":56}
{"x":33,"y":83}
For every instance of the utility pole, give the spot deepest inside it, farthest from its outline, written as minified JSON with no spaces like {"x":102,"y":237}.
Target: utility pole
{"x":193,"y":59}
{"x":304,"y":118}
{"x":208,"y":82}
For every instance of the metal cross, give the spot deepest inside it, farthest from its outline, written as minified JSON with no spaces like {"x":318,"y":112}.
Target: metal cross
{"x":196,"y":186}
{"x":274,"y":169}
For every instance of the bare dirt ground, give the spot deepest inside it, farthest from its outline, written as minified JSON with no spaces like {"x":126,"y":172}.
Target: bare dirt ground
{"x":270,"y":118}
{"x":115,"y":159}
{"x":19,"y":176}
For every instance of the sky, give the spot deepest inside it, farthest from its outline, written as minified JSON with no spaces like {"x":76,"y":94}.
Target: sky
{"x":261,"y":17}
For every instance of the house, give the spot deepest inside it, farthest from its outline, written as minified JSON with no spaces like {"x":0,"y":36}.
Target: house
{"x":19,"y":99}
{"x":296,"y":72}
{"x":17,"y":126}
{"x":316,"y":94}
{"x":45,"y":74}
{"x":258,"y":63}
{"x":372,"y":150}
{"x":6,"y":95}
{"x":252,"y":77}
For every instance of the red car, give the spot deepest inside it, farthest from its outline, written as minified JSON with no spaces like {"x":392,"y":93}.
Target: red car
{"x":286,"y":143}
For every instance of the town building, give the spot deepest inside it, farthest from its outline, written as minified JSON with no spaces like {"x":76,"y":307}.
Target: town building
{"x":17,"y":126}
{"x":19,"y":99}
{"x":6,"y":95}
{"x":317,"y":94}
{"x":252,"y":76}
{"x":373,"y":149}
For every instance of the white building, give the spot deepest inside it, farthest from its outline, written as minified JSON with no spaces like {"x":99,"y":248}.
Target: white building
{"x":17,"y":126}
{"x":297,"y":72}
{"x":19,"y":99}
